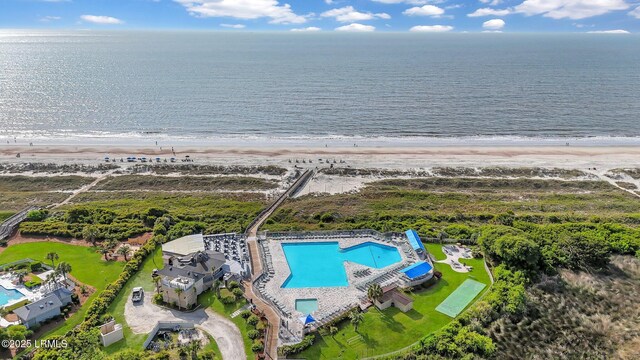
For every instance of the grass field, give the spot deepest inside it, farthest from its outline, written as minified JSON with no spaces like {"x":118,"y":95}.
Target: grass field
{"x":389,"y":330}
{"x":185,"y":183}
{"x":142,"y":279}
{"x":208,"y":299}
{"x":87,"y":265}
{"x":460,"y":298}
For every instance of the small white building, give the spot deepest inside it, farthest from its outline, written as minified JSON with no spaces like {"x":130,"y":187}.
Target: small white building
{"x":111,"y":333}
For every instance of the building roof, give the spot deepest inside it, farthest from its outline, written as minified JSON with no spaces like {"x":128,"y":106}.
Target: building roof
{"x":414,"y":240}
{"x":185,"y":245}
{"x":35,"y":309}
{"x":417,"y":270}
{"x":194,"y":265}
{"x":61,"y":293}
{"x":396,"y":296}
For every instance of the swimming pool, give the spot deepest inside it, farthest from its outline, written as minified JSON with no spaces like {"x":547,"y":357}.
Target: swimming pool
{"x":8,"y":295}
{"x":307,"y":306}
{"x":320,"y":264}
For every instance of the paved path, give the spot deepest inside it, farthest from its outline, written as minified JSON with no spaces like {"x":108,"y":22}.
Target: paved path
{"x":143,"y":316}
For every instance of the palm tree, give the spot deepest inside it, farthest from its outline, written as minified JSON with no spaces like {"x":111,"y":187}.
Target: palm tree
{"x":104,"y":251}
{"x":124,"y":250}
{"x":52,"y":256}
{"x":91,"y":234}
{"x":178,"y":292}
{"x":216,"y":287}
{"x":63,"y":269}
{"x":333,"y":331}
{"x":21,"y":274}
{"x":356,"y":318}
{"x":374,"y":292}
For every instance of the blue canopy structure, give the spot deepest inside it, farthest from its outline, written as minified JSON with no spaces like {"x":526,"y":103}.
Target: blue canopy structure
{"x":419,"y":269}
{"x":307,"y":319}
{"x":414,"y":240}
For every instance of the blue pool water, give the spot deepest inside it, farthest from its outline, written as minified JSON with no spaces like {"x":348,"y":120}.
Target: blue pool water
{"x":306,"y":306}
{"x":320,"y":264}
{"x":7,"y":295}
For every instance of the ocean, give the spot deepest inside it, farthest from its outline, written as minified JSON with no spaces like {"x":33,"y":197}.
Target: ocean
{"x":419,"y":89}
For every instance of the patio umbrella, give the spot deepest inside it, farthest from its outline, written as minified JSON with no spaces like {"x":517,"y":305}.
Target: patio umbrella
{"x":307,"y":319}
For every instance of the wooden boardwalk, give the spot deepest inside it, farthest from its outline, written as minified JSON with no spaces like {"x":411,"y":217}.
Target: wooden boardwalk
{"x":271,"y":346}
{"x":11,"y":224}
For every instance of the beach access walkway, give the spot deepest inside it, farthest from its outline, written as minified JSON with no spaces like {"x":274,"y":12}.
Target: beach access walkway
{"x":271,"y":346}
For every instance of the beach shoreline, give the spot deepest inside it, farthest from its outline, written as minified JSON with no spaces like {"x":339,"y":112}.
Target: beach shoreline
{"x":396,"y":157}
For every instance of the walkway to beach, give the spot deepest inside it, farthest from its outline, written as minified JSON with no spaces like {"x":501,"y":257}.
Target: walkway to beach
{"x":85,"y":188}
{"x":271,"y":347}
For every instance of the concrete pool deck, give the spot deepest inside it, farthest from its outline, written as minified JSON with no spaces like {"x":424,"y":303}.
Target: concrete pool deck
{"x":330,"y":299}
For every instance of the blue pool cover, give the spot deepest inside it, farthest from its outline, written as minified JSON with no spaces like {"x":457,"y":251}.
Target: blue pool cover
{"x":414,"y":240}
{"x":417,"y":270}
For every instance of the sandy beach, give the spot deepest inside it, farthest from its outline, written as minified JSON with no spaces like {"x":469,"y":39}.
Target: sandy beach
{"x":392,"y":157}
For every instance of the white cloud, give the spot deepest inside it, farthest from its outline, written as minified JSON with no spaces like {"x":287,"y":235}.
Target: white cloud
{"x":426,"y":10}
{"x":243,"y":9}
{"x":328,"y":2}
{"x":234,"y":26}
{"x":410,"y":2}
{"x":431,"y":28}
{"x":493,"y":24}
{"x":635,"y":12}
{"x":307,"y":29}
{"x":50,"y":18}
{"x":101,"y":20}
{"x":619,"y":31}
{"x":491,"y":2}
{"x":349,"y":14}
{"x":355,"y":27}
{"x":572,"y":9}
{"x":489,"y":12}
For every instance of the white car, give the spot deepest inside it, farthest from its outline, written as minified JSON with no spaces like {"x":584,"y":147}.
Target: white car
{"x":137,"y":295}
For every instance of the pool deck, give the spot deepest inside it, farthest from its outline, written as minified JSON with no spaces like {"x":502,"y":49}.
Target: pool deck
{"x":331,"y":300}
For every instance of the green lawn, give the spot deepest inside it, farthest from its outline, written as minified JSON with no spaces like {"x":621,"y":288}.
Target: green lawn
{"x":208,"y":299}
{"x":87,"y":265}
{"x":389,"y":330}
{"x":141,"y":279}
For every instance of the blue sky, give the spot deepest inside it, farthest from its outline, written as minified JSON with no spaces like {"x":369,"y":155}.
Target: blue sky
{"x":327,"y":15}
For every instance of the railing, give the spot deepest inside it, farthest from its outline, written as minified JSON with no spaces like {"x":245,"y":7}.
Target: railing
{"x":300,"y":181}
{"x":9,"y":225}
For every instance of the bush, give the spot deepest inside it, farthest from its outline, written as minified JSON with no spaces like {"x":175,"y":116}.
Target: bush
{"x":245,"y":314}
{"x":252,"y":320}
{"x":233,"y":285}
{"x":35,"y":266}
{"x":257,"y":347}
{"x":253,"y":334}
{"x":237,"y":292}
{"x":297,"y":348}
{"x":228,"y":300}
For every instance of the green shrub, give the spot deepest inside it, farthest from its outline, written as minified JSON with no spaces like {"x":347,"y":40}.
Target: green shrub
{"x":253,"y":334}
{"x":245,"y":314}
{"x":287,"y":350}
{"x":252,"y":320}
{"x":228,"y":300}
{"x":237,"y":292}
{"x":257,"y":347}
{"x":233,"y":285}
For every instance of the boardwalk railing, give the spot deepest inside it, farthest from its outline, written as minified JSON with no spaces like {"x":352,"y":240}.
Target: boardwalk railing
{"x":266,"y":212}
{"x":9,"y":226}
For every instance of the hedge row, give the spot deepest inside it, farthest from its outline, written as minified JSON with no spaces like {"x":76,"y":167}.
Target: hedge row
{"x":99,"y":306}
{"x":287,"y":350}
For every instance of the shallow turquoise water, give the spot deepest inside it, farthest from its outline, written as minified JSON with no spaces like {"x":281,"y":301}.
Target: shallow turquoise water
{"x":7,"y":295}
{"x":307,"y":306}
{"x":320,"y":264}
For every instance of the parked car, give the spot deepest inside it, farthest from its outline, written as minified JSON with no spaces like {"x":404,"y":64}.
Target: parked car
{"x":137,"y":295}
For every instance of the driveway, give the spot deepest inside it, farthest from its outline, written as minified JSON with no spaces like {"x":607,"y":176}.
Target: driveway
{"x":143,"y":316}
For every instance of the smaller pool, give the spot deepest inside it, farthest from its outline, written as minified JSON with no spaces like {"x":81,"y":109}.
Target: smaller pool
{"x":307,"y":306}
{"x":8,"y":295}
